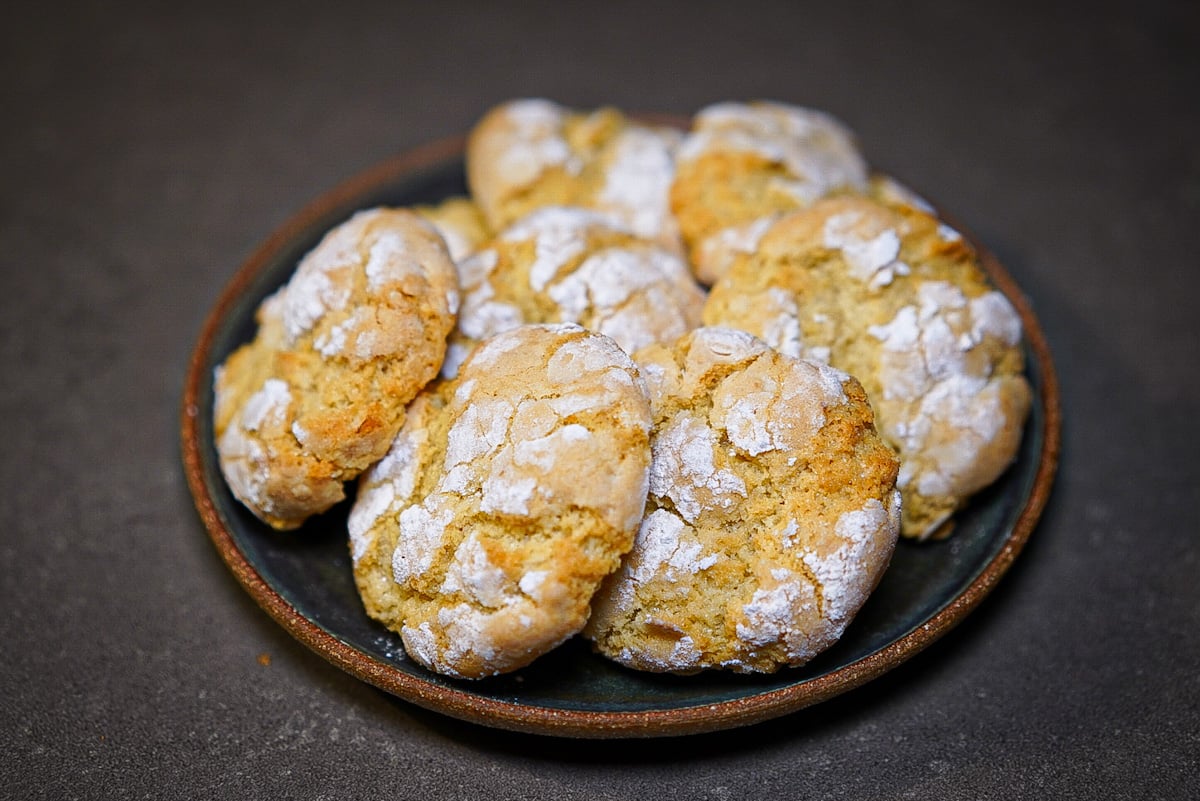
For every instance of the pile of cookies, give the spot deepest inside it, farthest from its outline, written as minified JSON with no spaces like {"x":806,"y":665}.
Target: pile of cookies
{"x":678,"y":392}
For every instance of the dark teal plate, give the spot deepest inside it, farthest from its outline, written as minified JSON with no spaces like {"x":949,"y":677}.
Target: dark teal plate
{"x":303,"y":579}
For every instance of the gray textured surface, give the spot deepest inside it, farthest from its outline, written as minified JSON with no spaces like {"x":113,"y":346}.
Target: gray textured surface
{"x":145,"y":153}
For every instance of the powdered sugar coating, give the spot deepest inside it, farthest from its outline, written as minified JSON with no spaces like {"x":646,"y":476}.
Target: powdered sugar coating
{"x":393,"y":476}
{"x":872,"y":256}
{"x":268,"y":405}
{"x":771,"y":613}
{"x":637,"y":296}
{"x":817,"y":150}
{"x":559,"y":234}
{"x":662,"y":549}
{"x":637,"y":182}
{"x":246,"y":463}
{"x":536,"y":142}
{"x":481,"y":315}
{"x":567,"y":264}
{"x":528,"y":154}
{"x":684,"y":470}
{"x":926,"y":367}
{"x":839,"y":572}
{"x":781,"y":322}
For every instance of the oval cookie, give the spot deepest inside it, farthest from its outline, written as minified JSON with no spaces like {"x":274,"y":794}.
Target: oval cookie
{"x":772,"y":512}
{"x":509,"y":494}
{"x":319,"y":394}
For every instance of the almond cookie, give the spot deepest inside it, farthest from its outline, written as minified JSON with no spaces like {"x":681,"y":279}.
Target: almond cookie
{"x":526,"y":154}
{"x":772,"y":513}
{"x":744,"y":164}
{"x":509,"y":494}
{"x":461,"y":224}
{"x":319,"y":394}
{"x":572,"y":265}
{"x":896,"y":298}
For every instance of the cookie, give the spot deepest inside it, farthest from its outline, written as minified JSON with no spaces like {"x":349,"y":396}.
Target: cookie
{"x":562,"y":264}
{"x":526,"y":154}
{"x":744,"y":164}
{"x":772,"y":512}
{"x":899,"y":300}
{"x":461,"y":224}
{"x":509,"y":494}
{"x":319,"y":394}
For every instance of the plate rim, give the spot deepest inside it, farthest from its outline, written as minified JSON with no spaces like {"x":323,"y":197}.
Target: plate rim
{"x":467,"y":706}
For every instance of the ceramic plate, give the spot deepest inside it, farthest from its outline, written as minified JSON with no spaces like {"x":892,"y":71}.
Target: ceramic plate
{"x":303,"y":579}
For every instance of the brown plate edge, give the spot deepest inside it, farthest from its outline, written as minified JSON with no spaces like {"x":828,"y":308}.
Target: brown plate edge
{"x":580,"y":723}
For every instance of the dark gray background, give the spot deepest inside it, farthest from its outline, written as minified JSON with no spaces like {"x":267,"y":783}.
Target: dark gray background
{"x":146,"y":152}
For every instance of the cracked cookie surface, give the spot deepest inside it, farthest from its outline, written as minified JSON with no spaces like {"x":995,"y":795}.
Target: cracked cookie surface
{"x":568,"y":264}
{"x":319,"y":394}
{"x":772,"y":512}
{"x":898,"y":299}
{"x":509,"y":494}
{"x":530,"y":153}
{"x":744,"y":164}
